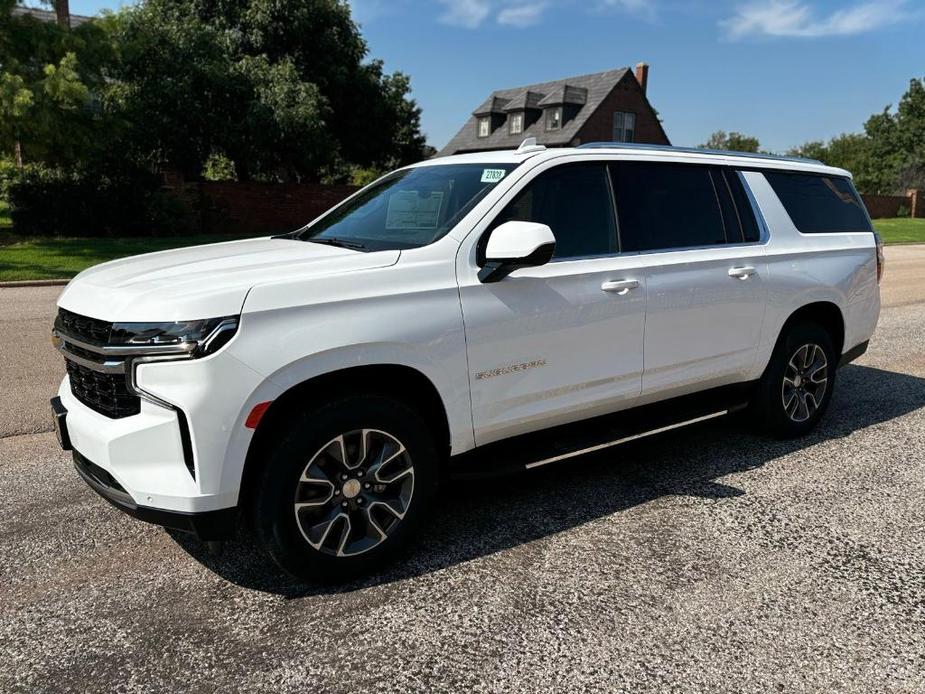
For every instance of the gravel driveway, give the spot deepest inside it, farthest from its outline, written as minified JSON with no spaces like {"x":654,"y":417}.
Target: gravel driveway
{"x":705,"y":560}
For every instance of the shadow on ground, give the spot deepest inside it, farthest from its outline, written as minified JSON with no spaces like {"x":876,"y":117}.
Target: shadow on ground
{"x":480,"y":518}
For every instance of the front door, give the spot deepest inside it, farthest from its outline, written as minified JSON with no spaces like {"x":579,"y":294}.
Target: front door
{"x":564,"y":341}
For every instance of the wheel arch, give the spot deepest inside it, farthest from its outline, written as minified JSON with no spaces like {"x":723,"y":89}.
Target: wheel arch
{"x":399,"y":381}
{"x":824,"y":313}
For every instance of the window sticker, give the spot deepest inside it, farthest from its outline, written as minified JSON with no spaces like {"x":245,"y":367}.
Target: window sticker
{"x":492,"y":175}
{"x":410,"y":210}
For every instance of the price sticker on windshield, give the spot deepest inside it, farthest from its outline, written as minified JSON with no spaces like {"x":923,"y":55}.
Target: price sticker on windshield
{"x":492,"y":175}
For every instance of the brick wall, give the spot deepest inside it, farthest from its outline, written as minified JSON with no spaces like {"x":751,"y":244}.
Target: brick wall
{"x":881,"y":206}
{"x":626,"y":96}
{"x":259,"y":208}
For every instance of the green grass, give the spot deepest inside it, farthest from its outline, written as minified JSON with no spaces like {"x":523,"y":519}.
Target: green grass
{"x":901,"y":230}
{"x":31,"y":258}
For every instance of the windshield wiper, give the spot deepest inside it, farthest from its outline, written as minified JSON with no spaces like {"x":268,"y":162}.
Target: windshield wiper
{"x":341,"y":243}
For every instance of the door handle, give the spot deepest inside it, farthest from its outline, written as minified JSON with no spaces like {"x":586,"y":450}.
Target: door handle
{"x":742,"y":273}
{"x":621,"y":287}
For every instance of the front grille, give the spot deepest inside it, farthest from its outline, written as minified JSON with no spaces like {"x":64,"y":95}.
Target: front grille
{"x":108,"y":394}
{"x":85,"y":329}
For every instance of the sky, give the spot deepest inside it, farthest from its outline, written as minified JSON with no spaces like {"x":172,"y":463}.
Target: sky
{"x":785,"y":71}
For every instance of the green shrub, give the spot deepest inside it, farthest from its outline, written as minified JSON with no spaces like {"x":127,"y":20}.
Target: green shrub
{"x":8,"y":171}
{"x":902,"y":211}
{"x":55,"y":202}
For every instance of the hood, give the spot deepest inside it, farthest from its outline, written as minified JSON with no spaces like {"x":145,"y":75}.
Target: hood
{"x":204,"y":281}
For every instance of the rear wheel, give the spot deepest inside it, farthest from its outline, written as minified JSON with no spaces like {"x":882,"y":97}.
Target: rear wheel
{"x":797,"y":386}
{"x":345,"y":488}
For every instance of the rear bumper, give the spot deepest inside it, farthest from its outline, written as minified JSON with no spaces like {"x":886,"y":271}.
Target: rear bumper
{"x":206,"y":525}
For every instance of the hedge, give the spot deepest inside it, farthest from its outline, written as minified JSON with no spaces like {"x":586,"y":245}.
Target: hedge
{"x":54,"y":202}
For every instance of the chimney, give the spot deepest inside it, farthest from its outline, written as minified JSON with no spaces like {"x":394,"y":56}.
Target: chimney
{"x":642,"y":75}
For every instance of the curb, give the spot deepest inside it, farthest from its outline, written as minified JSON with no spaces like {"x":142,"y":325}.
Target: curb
{"x":34,"y":283}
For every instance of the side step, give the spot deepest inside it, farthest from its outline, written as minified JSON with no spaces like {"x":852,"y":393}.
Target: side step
{"x":580,"y":438}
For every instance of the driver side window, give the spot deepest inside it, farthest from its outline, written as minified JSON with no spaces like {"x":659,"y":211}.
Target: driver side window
{"x":574,"y":200}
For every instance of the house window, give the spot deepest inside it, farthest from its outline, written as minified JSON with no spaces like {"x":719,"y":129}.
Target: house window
{"x":517,"y":123}
{"x":554,"y":118}
{"x":484,"y":127}
{"x":624,"y":127}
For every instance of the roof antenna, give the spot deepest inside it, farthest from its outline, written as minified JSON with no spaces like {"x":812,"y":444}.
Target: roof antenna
{"x":529,"y":145}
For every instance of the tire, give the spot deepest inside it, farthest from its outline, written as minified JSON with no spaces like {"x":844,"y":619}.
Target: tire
{"x":792,"y":396}
{"x":384,"y":505}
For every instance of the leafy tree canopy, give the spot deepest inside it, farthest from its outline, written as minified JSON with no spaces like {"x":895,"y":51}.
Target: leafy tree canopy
{"x":889,"y":156}
{"x":733,"y":141}
{"x":279,"y":88}
{"x":47,"y":110}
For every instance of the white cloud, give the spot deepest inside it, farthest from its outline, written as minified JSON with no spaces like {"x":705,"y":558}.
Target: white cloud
{"x":641,"y":8}
{"x":465,"y":13}
{"x":794,"y":18}
{"x":522,"y":15}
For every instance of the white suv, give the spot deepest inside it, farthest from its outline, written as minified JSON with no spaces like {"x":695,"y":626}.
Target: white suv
{"x":461,"y":314}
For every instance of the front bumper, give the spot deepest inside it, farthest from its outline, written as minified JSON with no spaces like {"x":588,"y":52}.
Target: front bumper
{"x":207,"y":525}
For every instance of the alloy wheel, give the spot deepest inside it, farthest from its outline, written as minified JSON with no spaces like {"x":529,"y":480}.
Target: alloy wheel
{"x":354,"y":492}
{"x":805,"y":382}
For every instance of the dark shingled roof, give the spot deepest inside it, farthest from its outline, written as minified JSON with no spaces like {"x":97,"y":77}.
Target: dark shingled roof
{"x":588,"y":91}
{"x":491,"y":105}
{"x":526,"y":99}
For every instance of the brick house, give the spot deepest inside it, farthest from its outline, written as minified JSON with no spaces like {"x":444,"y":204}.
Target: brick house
{"x":605,"y":106}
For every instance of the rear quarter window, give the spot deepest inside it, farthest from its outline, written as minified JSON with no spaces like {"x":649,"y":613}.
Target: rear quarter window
{"x":819,"y":204}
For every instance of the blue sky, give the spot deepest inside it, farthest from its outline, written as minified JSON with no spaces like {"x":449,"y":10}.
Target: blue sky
{"x":785,"y":71}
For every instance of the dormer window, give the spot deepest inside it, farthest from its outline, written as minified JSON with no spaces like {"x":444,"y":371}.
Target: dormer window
{"x":554,"y":118}
{"x":624,"y":127}
{"x":484,"y":126}
{"x":516,"y":123}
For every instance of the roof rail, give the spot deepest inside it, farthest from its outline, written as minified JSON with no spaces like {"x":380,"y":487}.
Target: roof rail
{"x":529,"y":145}
{"x":696,"y":150}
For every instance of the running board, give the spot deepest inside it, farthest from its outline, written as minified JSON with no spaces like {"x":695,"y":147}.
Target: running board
{"x":534,"y":450}
{"x":625,"y":439}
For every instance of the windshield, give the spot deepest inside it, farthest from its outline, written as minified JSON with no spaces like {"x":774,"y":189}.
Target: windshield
{"x":408,"y":208}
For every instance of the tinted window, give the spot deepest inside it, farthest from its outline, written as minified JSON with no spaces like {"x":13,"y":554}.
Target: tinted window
{"x":574,"y":201}
{"x":819,"y":204}
{"x":666,"y":206}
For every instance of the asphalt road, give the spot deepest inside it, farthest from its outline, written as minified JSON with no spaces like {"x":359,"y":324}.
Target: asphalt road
{"x":705,"y":560}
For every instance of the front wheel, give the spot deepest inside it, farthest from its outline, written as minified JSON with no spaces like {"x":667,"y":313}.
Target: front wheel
{"x":797,"y":385}
{"x":345,"y":488}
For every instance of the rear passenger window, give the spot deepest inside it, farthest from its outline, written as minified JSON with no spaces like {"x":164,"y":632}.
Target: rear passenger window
{"x":661,"y":206}
{"x":574,"y":201}
{"x":819,"y":204}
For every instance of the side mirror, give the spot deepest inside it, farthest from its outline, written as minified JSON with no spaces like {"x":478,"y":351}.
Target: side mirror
{"x":515,"y":245}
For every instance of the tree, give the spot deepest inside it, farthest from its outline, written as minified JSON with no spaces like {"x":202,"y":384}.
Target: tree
{"x":46,"y":90}
{"x":897,"y":139}
{"x":850,"y":151}
{"x":280,"y":89}
{"x":733,"y":141}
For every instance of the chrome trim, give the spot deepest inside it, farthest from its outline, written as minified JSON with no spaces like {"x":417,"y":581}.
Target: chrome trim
{"x":141,"y":392}
{"x":224,"y":326}
{"x":126,"y":350}
{"x":106,"y":367}
{"x":625,"y":439}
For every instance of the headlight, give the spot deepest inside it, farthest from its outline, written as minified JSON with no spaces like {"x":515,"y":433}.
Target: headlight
{"x":197,"y":338}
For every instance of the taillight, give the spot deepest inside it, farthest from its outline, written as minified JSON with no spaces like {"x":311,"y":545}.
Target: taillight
{"x":880,"y":261}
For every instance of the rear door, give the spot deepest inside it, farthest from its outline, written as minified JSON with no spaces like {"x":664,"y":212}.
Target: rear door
{"x":705,"y":272}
